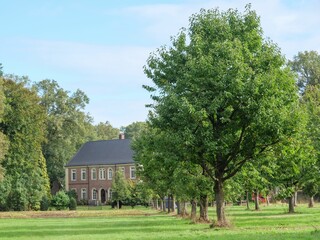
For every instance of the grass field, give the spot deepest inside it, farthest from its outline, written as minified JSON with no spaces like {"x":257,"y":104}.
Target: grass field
{"x":270,"y":223}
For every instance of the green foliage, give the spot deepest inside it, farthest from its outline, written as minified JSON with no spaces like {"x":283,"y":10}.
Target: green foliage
{"x":60,"y":201}
{"x":134,"y":129}
{"x":45,"y":203}
{"x":68,"y":127}
{"x":307,"y":66}
{"x":23,"y":125}
{"x":73,"y":204}
{"x":105,"y":131}
{"x":222,"y":93}
{"x":120,"y":187}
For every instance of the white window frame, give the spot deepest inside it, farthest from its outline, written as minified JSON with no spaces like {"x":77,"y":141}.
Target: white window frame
{"x":102,"y":174}
{"x":84,"y":194}
{"x":110,"y":194}
{"x":94,"y":194}
{"x":93,"y":174}
{"x":132,"y":170}
{"x":110,"y":175}
{"x":83,"y":174}
{"x":73,"y":175}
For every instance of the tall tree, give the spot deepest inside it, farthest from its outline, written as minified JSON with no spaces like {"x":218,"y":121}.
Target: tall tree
{"x":67,"y":126}
{"x":3,"y":138}
{"x":105,"y":131}
{"x":224,"y":89}
{"x":23,"y":124}
{"x":134,"y":129}
{"x":307,"y":66}
{"x":120,"y":188}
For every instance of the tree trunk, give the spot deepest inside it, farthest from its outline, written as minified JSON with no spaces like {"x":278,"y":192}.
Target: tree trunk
{"x":256,"y":200}
{"x":163,"y":205}
{"x":268,"y":200}
{"x":219,"y":195}
{"x":291,"y":204}
{"x":311,"y":202}
{"x":178,"y":208}
{"x":169,"y":203}
{"x":295,"y":198}
{"x":173,"y":203}
{"x":204,"y":208}
{"x":183,"y":209}
{"x":118,"y":204}
{"x":156,"y":204}
{"x":248,"y":205}
{"x":193,"y":210}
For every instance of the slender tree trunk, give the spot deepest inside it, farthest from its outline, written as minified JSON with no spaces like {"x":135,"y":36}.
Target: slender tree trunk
{"x":156,"y":204}
{"x":268,"y":200}
{"x":248,"y":201}
{"x":219,"y":195}
{"x":256,"y":200}
{"x":291,"y":204}
{"x":204,"y":204}
{"x":169,"y":202}
{"x":164,"y":204}
{"x":173,"y":203}
{"x":193,"y":210}
{"x":295,"y":198}
{"x":178,"y":208}
{"x":311,"y":202}
{"x":183,"y":209}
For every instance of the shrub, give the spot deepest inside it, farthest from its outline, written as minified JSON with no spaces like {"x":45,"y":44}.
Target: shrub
{"x":73,"y":204}
{"x":44,"y":204}
{"x":61,"y":200}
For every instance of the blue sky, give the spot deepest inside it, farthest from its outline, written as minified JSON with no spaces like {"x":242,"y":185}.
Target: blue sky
{"x":100,"y":46}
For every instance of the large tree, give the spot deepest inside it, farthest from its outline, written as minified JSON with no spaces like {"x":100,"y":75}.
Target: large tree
{"x":307,"y":66}
{"x":67,"y":126}
{"x":24,"y":164}
{"x":225,"y":90}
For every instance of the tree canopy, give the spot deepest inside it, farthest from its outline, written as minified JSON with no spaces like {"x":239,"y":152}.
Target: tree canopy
{"x":224,"y":90}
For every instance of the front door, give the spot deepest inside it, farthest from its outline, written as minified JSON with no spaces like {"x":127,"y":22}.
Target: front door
{"x":103,"y":195}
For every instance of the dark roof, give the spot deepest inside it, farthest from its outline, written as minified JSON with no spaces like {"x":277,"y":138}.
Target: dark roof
{"x":103,"y":152}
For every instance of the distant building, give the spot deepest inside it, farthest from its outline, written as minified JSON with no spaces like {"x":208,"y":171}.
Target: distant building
{"x":90,"y":172}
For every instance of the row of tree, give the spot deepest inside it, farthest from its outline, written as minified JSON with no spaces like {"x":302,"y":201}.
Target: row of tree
{"x":230,"y":115}
{"x":41,"y":128}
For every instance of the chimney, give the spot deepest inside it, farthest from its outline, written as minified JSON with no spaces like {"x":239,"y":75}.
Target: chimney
{"x":121,"y":136}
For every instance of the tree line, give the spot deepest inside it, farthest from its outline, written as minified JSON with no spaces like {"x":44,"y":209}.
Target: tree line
{"x":41,"y":128}
{"x":230,"y":116}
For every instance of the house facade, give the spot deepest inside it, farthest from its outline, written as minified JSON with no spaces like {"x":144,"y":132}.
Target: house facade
{"x":90,"y":172}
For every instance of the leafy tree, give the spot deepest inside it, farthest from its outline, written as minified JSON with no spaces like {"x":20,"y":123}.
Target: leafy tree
{"x":223,"y":89}
{"x":60,"y":200}
{"x":68,"y":127}
{"x":3,"y":139}
{"x":134,"y":129}
{"x":307,"y":66}
{"x":120,"y":188}
{"x":23,"y":124}
{"x":105,"y":131}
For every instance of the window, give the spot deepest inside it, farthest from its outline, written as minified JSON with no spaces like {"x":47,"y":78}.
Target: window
{"x":94,"y":194}
{"x":83,"y":193}
{"x":73,"y":174}
{"x":110,"y":194}
{"x":122,"y":170}
{"x":133,"y":172}
{"x":83,"y":174}
{"x":102,"y":174}
{"x":93,"y":174}
{"x":110,"y":172}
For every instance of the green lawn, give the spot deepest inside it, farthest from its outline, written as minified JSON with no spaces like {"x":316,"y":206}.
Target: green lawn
{"x":270,"y":223}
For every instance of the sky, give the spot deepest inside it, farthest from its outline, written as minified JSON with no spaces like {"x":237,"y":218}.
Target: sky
{"x":101,"y":46}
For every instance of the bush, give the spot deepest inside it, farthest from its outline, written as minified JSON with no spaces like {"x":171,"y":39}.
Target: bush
{"x":73,"y":204}
{"x":61,"y":200}
{"x":44,"y":204}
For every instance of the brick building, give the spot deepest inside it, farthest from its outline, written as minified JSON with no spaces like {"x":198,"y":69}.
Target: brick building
{"x":91,"y":170}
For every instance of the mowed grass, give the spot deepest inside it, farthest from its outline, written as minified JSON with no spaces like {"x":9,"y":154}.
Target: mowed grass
{"x":272,"y":222}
